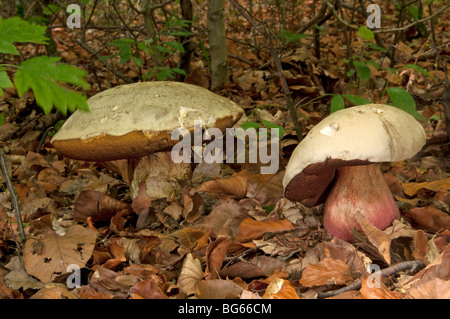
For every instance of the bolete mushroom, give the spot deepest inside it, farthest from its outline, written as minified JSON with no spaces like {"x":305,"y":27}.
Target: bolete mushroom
{"x":135,"y":120}
{"x":336,"y":164}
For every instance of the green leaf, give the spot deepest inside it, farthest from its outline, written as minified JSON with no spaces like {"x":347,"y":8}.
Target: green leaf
{"x":176,"y":45}
{"x":125,"y":48}
{"x":42,"y":75}
{"x":366,"y":33}
{"x":290,"y":36}
{"x":5,"y":82}
{"x":16,"y":30}
{"x":418,"y":68}
{"x":271,"y":125}
{"x":247,"y":125}
{"x":1,"y":119}
{"x":337,"y":103}
{"x":164,"y":73}
{"x":357,"y":100}
{"x":404,"y":101}
{"x":179,"y":71}
{"x":363,"y":70}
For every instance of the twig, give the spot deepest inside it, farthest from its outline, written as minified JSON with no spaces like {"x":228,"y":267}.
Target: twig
{"x":336,"y":14}
{"x":276,"y":59}
{"x":13,"y":196}
{"x":116,"y":72}
{"x":414,"y":266}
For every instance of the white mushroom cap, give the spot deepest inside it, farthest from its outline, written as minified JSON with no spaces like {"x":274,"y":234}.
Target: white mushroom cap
{"x":368,"y":133}
{"x":137,"y":119}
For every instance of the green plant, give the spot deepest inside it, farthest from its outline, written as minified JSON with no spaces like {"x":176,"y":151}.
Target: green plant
{"x":43,"y":75}
{"x":172,"y":30}
{"x":399,"y":98}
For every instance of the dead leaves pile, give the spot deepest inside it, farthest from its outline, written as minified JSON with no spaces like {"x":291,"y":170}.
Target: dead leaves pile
{"x":228,"y":236}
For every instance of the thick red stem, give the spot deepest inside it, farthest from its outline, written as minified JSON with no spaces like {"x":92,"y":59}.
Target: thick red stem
{"x":358,"y":189}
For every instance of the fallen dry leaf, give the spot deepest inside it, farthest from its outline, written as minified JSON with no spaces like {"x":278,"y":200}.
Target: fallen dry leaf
{"x":376,"y":289}
{"x":217,"y":289}
{"x":280,"y":289}
{"x":191,"y":273}
{"x":55,"y":292}
{"x":432,"y":282}
{"x":325,"y":272}
{"x":48,"y":256}
{"x":378,"y":238}
{"x":235,"y":185}
{"x":96,"y":205}
{"x":430,"y":218}
{"x":410,"y":189}
{"x":215,"y":254}
{"x":147,"y":289}
{"x":252,"y":229}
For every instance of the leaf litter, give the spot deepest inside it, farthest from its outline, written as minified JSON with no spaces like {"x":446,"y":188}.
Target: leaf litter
{"x":229,"y":233}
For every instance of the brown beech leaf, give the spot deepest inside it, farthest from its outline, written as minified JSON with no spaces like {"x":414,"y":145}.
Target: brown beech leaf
{"x":433,"y":282}
{"x":377,"y":237}
{"x":53,"y":293}
{"x":376,"y":290}
{"x":215,"y":254}
{"x":280,"y":289}
{"x":242,"y":269}
{"x":327,"y":271}
{"x":191,"y":273}
{"x":410,"y":189}
{"x":96,"y":205}
{"x":193,"y":206}
{"x":252,"y":229}
{"x":48,"y":256}
{"x":217,"y":289}
{"x":235,"y":185}
{"x":430,"y":218}
{"x":147,"y":289}
{"x":420,"y":247}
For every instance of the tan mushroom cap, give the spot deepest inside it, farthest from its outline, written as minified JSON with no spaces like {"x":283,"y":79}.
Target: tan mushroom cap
{"x":354,"y":136}
{"x":134,"y":120}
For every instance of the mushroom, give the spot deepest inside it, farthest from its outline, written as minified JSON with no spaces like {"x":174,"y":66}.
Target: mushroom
{"x":137,"y":120}
{"x":336,"y":163}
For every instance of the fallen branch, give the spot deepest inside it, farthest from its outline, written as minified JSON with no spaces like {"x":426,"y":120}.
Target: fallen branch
{"x":13,"y":197}
{"x":414,"y":266}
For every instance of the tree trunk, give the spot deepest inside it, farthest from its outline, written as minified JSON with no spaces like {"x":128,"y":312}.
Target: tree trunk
{"x":148,"y":8}
{"x":218,"y":44}
{"x":185,"y":58}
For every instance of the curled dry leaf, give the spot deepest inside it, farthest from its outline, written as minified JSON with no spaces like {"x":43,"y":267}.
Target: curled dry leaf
{"x":193,"y":206}
{"x":375,"y":289}
{"x":327,"y":271}
{"x":377,"y":237}
{"x":218,"y":289}
{"x":235,"y":185}
{"x":191,"y":273}
{"x":410,"y":189}
{"x":147,"y":289}
{"x":280,"y":289}
{"x":433,"y":282}
{"x":430,"y":218}
{"x":96,"y":205}
{"x":48,"y":256}
{"x":252,"y":229}
{"x":215,"y":254}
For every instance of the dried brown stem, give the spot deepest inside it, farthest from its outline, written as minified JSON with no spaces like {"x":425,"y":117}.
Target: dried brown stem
{"x":413,"y":266}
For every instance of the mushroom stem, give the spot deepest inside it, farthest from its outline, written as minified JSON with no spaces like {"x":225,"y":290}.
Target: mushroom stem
{"x":358,"y":189}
